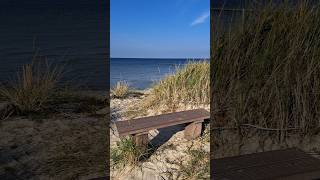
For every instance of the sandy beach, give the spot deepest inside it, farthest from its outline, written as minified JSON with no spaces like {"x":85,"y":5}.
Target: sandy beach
{"x":68,"y":141}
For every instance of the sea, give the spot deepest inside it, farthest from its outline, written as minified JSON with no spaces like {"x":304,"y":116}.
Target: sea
{"x":72,"y":34}
{"x":143,"y":73}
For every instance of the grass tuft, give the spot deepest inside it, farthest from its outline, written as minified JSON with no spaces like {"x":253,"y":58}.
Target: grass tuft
{"x":120,"y":90}
{"x":126,"y":154}
{"x":34,"y":85}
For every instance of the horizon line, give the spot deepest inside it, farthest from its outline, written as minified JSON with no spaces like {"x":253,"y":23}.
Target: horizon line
{"x":161,"y":57}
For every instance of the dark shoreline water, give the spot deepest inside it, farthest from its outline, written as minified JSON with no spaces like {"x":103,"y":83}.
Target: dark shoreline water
{"x":72,"y":33}
{"x":141,"y":73}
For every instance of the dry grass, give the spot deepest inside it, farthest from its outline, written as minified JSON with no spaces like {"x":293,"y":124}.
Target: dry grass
{"x":189,"y":85}
{"x":120,"y":90}
{"x":266,"y":72}
{"x":34,"y":85}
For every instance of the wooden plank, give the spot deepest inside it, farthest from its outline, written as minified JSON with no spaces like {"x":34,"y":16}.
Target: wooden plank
{"x":280,"y":164}
{"x":145,"y":124}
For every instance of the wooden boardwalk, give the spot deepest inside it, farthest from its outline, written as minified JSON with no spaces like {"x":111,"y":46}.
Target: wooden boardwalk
{"x":281,"y":164}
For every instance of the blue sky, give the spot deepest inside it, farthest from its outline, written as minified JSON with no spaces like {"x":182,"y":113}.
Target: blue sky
{"x":160,"y":28}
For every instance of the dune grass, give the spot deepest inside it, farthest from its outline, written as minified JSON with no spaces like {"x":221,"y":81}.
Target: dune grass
{"x":33,"y":86}
{"x":120,"y":90}
{"x":266,"y":71}
{"x":189,"y":85}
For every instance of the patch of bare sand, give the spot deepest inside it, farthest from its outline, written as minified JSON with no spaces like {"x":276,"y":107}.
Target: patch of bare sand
{"x":169,"y":143}
{"x":63,"y":145}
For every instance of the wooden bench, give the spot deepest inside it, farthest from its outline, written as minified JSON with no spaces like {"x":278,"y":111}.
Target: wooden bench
{"x":139,"y":128}
{"x":289,"y":164}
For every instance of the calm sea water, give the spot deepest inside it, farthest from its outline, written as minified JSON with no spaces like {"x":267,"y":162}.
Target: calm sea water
{"x":72,"y":33}
{"x":142,"y":73}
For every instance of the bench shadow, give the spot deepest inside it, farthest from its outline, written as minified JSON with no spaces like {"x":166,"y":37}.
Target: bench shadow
{"x":164,"y":134}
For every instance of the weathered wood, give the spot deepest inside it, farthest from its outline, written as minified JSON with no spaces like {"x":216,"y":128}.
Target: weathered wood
{"x":193,"y":130}
{"x":280,"y":164}
{"x":145,"y":124}
{"x":141,"y":140}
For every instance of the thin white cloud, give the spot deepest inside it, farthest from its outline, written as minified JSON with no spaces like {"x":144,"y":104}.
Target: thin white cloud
{"x":200,"y":19}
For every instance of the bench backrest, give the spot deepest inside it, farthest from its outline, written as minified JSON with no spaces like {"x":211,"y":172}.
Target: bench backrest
{"x":145,"y":124}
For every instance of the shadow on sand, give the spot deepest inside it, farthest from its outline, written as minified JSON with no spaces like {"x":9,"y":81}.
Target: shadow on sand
{"x":164,"y":134}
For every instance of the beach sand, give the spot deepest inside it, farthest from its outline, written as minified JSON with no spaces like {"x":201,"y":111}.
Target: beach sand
{"x":65,"y":144}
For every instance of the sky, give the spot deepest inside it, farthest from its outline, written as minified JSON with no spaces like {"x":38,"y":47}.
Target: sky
{"x":159,"y":28}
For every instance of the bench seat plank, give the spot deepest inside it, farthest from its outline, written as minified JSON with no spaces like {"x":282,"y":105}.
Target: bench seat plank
{"x":145,"y":124}
{"x":282,"y":164}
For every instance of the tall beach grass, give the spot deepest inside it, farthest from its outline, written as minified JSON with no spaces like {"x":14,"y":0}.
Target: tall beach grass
{"x":34,"y":85}
{"x":189,"y":85}
{"x":266,"y":71}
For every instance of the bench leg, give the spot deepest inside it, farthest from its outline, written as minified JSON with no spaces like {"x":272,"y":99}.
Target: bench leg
{"x":193,"y":130}
{"x":141,"y":140}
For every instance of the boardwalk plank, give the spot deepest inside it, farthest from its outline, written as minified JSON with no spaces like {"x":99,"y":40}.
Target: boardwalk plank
{"x":281,"y":164}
